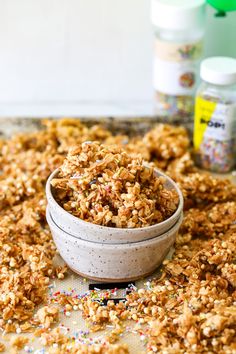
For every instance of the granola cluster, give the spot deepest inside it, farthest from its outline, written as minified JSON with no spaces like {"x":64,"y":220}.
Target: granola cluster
{"x":106,"y":186}
{"x":189,"y":309}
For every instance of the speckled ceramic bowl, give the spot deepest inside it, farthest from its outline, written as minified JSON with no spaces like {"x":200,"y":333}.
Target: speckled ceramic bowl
{"x":112,"y":262}
{"x":97,"y":233}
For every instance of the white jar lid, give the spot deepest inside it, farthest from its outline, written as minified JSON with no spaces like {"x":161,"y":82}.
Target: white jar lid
{"x":178,"y":14}
{"x":219,"y":70}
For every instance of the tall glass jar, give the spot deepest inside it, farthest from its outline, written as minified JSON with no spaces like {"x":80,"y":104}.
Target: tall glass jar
{"x":179,"y":29}
{"x":215,"y":115}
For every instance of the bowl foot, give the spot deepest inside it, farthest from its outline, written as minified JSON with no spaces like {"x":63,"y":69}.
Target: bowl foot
{"x":112,"y":280}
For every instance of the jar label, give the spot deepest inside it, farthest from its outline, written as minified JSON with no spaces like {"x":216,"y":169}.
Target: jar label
{"x":173,"y":52}
{"x":175,"y":78}
{"x":176,"y":67}
{"x":213,"y":121}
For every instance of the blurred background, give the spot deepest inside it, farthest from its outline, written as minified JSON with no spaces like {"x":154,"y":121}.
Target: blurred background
{"x":85,"y":57}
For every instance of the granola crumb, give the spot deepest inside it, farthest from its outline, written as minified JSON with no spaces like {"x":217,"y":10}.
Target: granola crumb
{"x":19,"y":342}
{"x":61,"y":272}
{"x":2,"y":347}
{"x":46,"y":316}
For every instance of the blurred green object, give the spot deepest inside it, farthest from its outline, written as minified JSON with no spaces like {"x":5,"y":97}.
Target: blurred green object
{"x":223,"y":5}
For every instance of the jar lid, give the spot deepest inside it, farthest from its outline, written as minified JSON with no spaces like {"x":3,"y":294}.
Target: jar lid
{"x":178,"y":14}
{"x":219,"y":70}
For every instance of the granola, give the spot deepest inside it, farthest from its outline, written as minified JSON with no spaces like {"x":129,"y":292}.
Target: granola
{"x":106,"y":186}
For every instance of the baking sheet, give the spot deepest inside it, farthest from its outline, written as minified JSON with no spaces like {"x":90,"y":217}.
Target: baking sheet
{"x":74,"y":325}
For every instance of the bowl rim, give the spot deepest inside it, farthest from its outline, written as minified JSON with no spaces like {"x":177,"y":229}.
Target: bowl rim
{"x":178,"y":211}
{"x":125,"y":246}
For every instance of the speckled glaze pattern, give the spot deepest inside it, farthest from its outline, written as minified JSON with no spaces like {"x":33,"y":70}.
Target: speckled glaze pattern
{"x":97,"y":233}
{"x":112,"y":261}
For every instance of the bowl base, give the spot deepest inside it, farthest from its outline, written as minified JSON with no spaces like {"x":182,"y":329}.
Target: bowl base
{"x":112,"y":280}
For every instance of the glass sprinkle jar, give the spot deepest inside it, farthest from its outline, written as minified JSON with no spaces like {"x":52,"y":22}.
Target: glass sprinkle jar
{"x":179,"y":27}
{"x":215,"y":115}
